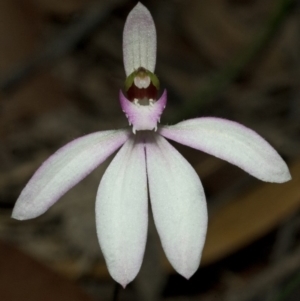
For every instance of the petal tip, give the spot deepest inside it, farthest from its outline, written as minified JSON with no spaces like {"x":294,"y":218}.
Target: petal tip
{"x":17,"y":216}
{"x":286,"y":176}
{"x":187,"y":274}
{"x":140,"y":5}
{"x":123,"y":280}
{"x":22,"y":214}
{"x":282,"y":175}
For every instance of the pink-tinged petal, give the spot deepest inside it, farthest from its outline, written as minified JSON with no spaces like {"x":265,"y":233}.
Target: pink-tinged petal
{"x":64,"y":169}
{"x":139,"y":40}
{"x":232,"y":142}
{"x":178,"y":205}
{"x":122,"y":212}
{"x":143,"y":117}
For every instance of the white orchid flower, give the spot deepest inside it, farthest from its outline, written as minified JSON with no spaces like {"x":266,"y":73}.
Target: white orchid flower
{"x":147,"y":159}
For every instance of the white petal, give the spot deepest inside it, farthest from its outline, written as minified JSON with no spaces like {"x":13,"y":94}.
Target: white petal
{"x":122,"y":212}
{"x":64,"y":169}
{"x":178,"y":204}
{"x":139,"y":40}
{"x":232,"y":142}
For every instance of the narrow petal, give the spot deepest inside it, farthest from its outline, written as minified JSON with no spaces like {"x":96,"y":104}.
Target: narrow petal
{"x":64,"y":169}
{"x":178,"y":204}
{"x":232,"y":142}
{"x":122,"y":212}
{"x":139,"y":40}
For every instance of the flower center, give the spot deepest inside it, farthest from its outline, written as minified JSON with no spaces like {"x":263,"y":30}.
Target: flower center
{"x":142,"y":87}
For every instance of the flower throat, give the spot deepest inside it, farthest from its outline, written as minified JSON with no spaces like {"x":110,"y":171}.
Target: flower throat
{"x":142,"y":87}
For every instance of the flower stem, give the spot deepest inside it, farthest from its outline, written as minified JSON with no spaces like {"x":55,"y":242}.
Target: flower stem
{"x":116,"y":292}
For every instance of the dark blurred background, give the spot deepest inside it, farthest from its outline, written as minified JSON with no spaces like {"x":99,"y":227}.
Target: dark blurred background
{"x":60,"y":73}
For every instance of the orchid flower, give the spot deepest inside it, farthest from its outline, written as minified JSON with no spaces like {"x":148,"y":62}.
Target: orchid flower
{"x":145,"y":161}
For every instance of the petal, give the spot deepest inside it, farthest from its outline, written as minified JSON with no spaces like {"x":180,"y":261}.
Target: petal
{"x":139,"y":40}
{"x":64,"y":169}
{"x":143,"y":117}
{"x":122,"y":212}
{"x":232,"y":142}
{"x":178,"y":204}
